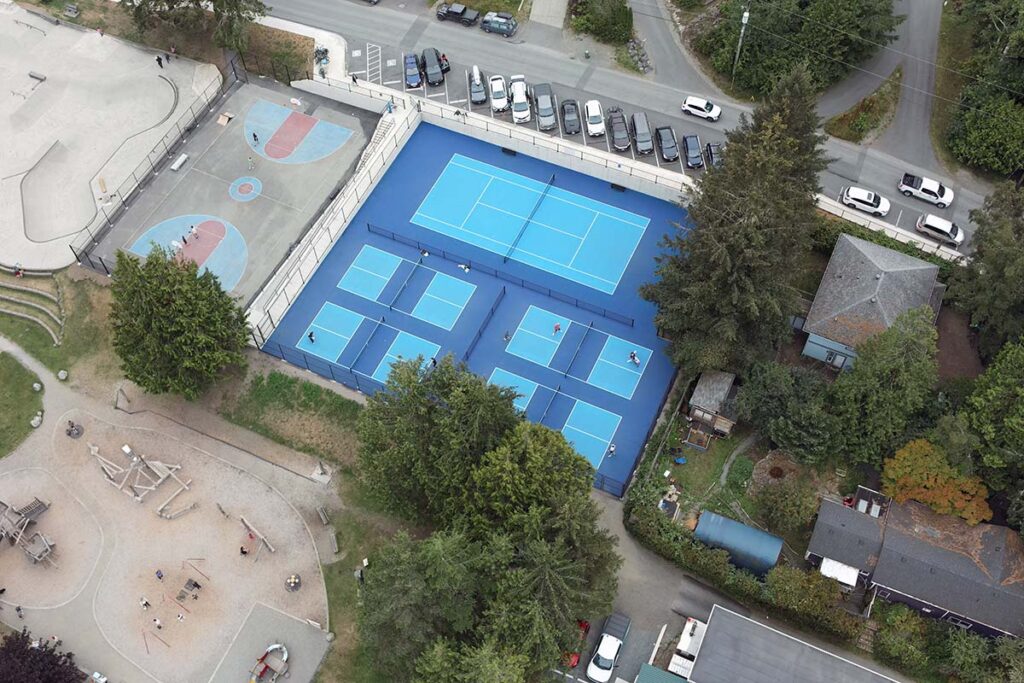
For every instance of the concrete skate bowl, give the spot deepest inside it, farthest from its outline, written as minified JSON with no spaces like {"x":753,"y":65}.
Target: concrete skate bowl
{"x":100,"y":128}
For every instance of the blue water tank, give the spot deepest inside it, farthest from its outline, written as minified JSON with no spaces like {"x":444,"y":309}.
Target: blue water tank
{"x":749,"y":548}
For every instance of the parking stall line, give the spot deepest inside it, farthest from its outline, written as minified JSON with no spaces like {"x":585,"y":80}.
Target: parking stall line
{"x":446,"y":91}
{"x":461,"y":100}
{"x":682,"y":166}
{"x":898,"y":218}
{"x":393,"y":82}
{"x":657,"y":161}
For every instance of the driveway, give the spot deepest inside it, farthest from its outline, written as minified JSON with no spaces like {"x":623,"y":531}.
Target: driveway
{"x":654,"y":592}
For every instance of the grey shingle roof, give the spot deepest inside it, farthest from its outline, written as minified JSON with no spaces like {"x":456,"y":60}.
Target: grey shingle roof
{"x":712,"y":390}
{"x":977,"y":572}
{"x":865,"y":288}
{"x":847,"y":536}
{"x":738,"y":650}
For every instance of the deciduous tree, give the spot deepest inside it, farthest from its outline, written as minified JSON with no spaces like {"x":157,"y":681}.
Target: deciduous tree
{"x":20,"y":660}
{"x":920,"y":472}
{"x":990,"y":287}
{"x":175,"y":329}
{"x":787,"y":505}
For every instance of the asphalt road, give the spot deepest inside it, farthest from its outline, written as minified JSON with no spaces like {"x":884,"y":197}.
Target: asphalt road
{"x":539,"y":53}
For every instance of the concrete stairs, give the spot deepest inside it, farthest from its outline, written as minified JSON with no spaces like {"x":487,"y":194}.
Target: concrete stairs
{"x":383,"y":127}
{"x":35,"y":298}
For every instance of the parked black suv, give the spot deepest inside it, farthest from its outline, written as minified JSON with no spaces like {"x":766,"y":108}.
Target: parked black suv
{"x":667,"y":143}
{"x":716,"y":153}
{"x":459,"y":13}
{"x":571,"y":117}
{"x":691,"y":148}
{"x":434,"y":66}
{"x":617,"y":129}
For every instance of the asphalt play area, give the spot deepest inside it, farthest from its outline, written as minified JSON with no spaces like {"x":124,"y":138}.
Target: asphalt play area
{"x":258,"y":173}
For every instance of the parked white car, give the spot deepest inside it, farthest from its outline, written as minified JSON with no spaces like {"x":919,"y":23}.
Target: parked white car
{"x":594,"y":116}
{"x":519,"y":94}
{"x":941,"y":230}
{"x":864,"y":200}
{"x":499,"y":94}
{"x":698,"y":106}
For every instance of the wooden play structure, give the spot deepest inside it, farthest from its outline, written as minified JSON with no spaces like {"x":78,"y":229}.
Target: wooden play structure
{"x":141,"y":476}
{"x":274,"y":662}
{"x":254,"y":534}
{"x":14,"y":524}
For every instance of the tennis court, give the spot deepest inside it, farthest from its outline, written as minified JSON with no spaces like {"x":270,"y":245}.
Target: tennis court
{"x":535,"y":222}
{"x":375,"y":273}
{"x":399,"y":285}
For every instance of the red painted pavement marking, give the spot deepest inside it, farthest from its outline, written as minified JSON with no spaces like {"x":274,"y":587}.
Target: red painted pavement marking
{"x":211,"y":233}
{"x":245,"y":188}
{"x":289,"y":134}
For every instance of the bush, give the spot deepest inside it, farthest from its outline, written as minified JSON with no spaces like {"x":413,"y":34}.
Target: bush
{"x":787,"y":505}
{"x":739,"y":474}
{"x":610,"y":21}
{"x":807,"y":598}
{"x":902,"y":639}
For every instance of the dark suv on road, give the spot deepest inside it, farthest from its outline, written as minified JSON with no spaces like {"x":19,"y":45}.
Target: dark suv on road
{"x":459,"y":13}
{"x":501,"y":23}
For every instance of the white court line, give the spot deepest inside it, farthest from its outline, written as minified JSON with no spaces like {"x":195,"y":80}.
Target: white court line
{"x":442,"y":299}
{"x":520,"y":250}
{"x":370,"y":272}
{"x":582,"y":241}
{"x":583,"y":431}
{"x":477,"y":202}
{"x":616,"y":365}
{"x":561,"y":199}
{"x":533,"y":221}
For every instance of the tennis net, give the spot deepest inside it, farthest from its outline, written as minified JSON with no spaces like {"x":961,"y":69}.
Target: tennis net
{"x":416,"y":266}
{"x":522,"y":231}
{"x":579,"y":346}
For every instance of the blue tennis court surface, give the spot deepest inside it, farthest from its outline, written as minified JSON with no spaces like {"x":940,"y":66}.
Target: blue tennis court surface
{"x":370,"y":273}
{"x":404,"y":347}
{"x":524,"y":387}
{"x":401,"y":282}
{"x":332,"y":329}
{"x":444,"y":300}
{"x":517,"y":217}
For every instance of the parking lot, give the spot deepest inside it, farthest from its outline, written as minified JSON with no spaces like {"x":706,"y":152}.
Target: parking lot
{"x":385,"y":67}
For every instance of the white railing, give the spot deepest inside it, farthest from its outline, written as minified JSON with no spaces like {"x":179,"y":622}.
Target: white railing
{"x":274,"y":299}
{"x":407,"y":111}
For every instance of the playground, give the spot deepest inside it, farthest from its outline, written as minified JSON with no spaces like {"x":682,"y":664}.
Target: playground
{"x":257,"y":173}
{"x":526,"y":271}
{"x":160,"y":548}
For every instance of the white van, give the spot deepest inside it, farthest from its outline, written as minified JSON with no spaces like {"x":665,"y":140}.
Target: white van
{"x":520,"y":99}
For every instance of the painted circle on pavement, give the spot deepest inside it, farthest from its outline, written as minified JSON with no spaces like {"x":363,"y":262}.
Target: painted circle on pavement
{"x":245,"y":189}
{"x":213,"y":243}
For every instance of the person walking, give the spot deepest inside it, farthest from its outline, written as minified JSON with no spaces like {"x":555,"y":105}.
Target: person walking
{"x":181,"y":617}
{"x":159,"y":61}
{"x":157,"y":623}
{"x":558,"y":328}
{"x":354,"y":79}
{"x":252,"y":164}
{"x":195,"y":233}
{"x":144,"y":603}
{"x":255,"y":139}
{"x":312,"y":337}
{"x":159,"y":575}
{"x":634,"y":358}
{"x":17,"y":610}
{"x":242,"y":551}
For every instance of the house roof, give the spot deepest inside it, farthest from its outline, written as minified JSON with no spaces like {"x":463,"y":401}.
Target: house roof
{"x":845,"y":535}
{"x":736,"y":649}
{"x":974,"y":571}
{"x":749,"y":548}
{"x":866,"y":287}
{"x":712,"y":390}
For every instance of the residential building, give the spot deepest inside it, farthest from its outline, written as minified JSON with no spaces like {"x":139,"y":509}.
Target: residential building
{"x":970,"y":576}
{"x":864,"y":289}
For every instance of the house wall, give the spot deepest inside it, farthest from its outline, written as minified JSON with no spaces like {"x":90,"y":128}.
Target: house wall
{"x":828,"y":351}
{"x":935,"y":612}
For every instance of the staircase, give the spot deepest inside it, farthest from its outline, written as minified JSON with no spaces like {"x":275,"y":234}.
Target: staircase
{"x":383,"y":127}
{"x":866,"y":641}
{"x":35,"y":298}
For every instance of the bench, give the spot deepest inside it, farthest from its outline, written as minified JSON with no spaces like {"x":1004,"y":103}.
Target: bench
{"x":71,"y":10}
{"x":334,"y":541}
{"x":179,"y":162}
{"x":323,"y":515}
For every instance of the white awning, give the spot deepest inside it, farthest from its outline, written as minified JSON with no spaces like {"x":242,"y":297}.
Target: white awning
{"x":842,"y":573}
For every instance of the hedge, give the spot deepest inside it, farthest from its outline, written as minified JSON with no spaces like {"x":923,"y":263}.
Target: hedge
{"x":610,"y":21}
{"x":805,"y":598}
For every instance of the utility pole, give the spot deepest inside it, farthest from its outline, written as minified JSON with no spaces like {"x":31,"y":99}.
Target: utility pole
{"x":739,"y":45}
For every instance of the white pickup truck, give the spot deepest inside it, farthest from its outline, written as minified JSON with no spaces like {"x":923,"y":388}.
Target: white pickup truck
{"x":932,"y":191}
